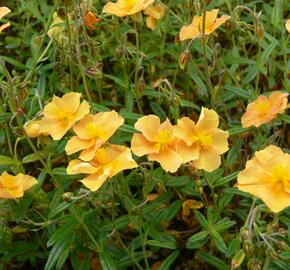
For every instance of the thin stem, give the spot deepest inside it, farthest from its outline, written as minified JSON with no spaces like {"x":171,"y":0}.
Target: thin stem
{"x":137,"y":68}
{"x":203,"y":43}
{"x":98,"y":248}
{"x":78,"y":51}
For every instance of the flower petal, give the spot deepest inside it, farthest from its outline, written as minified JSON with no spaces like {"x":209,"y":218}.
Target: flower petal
{"x":169,"y":160}
{"x":208,"y":119}
{"x":95,"y":181}
{"x":76,"y":144}
{"x":148,"y":126}
{"x":208,"y":161}
{"x":77,"y":166}
{"x":141,"y":146}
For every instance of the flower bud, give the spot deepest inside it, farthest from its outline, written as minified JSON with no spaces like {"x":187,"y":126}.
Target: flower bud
{"x":245,"y":233}
{"x":237,"y":259}
{"x":249,"y":248}
{"x":67,"y":196}
{"x":260,"y":31}
{"x":254,"y":264}
{"x":184,"y":58}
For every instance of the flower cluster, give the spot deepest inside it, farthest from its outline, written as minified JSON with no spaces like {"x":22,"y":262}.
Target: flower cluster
{"x":202,"y":142}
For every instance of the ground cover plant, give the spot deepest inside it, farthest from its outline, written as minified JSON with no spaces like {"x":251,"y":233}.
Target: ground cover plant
{"x":144,"y":134}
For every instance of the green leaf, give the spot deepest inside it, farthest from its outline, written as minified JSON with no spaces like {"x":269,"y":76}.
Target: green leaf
{"x":157,"y":110}
{"x":163,"y":244}
{"x":214,"y":261}
{"x":4,"y":160}
{"x":177,"y":181}
{"x":165,"y":265}
{"x":31,"y":158}
{"x":220,"y":244}
{"x":201,"y":219}
{"x":197,"y":240}
{"x":233,"y":247}
{"x":237,"y":130}
{"x":237,"y":91}
{"x":107,"y":262}
{"x":267,"y":52}
{"x":226,"y":179}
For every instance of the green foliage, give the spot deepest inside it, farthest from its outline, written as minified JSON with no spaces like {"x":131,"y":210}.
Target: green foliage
{"x":136,"y":220}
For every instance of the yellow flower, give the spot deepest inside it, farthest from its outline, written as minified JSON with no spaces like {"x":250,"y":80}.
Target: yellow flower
{"x":32,"y":128}
{"x":287,"y":25}
{"x":92,"y":132}
{"x":14,"y":186}
{"x":264,"y":109}
{"x":107,"y":162}
{"x":62,"y":113}
{"x":194,"y":30}
{"x":204,"y":142}
{"x":154,"y":13}
{"x":158,"y":141}
{"x":4,"y":11}
{"x":126,"y":7}
{"x":267,"y":176}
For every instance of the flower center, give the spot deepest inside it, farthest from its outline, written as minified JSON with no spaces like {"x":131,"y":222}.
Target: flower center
{"x":94,"y":131}
{"x":204,"y":139}
{"x":282,"y":176}
{"x":263,"y":108}
{"x":100,"y":157}
{"x":129,"y":4}
{"x":164,"y":139}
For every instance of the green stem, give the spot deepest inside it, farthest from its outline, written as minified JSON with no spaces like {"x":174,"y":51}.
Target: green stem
{"x":205,"y":62}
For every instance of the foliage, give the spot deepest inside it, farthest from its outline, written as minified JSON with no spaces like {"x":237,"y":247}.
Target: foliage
{"x":138,"y":220}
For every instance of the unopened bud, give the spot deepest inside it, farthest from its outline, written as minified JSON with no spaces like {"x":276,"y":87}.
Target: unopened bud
{"x":249,"y":248}
{"x":254,"y":264}
{"x":260,"y":31}
{"x":238,"y":259}
{"x":141,"y":85}
{"x":67,"y":196}
{"x":270,"y":252}
{"x":184,"y":58}
{"x":120,"y":52}
{"x":245,"y":233}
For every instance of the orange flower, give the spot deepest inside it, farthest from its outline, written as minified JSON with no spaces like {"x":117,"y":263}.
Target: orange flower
{"x":287,"y":25}
{"x":158,"y":141}
{"x":204,"y":142}
{"x":264,"y":109}
{"x":126,"y":7}
{"x":90,"y":20}
{"x":33,"y":128}
{"x":267,"y":176}
{"x":14,"y":186}
{"x":92,"y":132}
{"x":4,"y":11}
{"x":194,"y":30}
{"x":62,"y":113}
{"x":154,"y":13}
{"x":107,"y":162}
